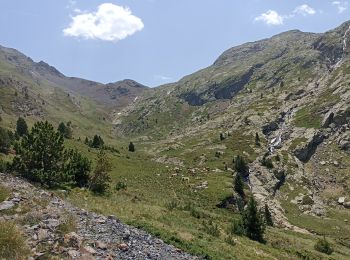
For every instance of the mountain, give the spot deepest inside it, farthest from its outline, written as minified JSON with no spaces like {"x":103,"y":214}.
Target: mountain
{"x":281,"y":104}
{"x":113,"y":95}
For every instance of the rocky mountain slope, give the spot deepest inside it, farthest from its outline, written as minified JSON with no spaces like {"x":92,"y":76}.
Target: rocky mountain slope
{"x":291,"y":89}
{"x":113,"y":95}
{"x":53,"y":227}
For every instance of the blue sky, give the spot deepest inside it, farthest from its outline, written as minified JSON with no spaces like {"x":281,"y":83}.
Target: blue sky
{"x":151,"y":41}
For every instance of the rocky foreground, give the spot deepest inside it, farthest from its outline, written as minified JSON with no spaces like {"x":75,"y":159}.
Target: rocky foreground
{"x":53,"y":226}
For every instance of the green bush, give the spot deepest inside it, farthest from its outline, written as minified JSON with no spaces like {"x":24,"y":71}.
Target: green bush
{"x":21,"y":127}
{"x":100,"y":180}
{"x":5,"y":140}
{"x":324,"y":246}
{"x":121,"y":186}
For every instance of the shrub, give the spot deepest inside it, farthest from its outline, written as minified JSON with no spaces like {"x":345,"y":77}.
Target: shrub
{"x":97,"y":142}
{"x":267,"y":162}
{"x":257,"y":139}
{"x":307,"y":200}
{"x":239,"y":185}
{"x":131,"y":147}
{"x":12,"y":242}
{"x":253,"y":222}
{"x":100,"y":180}
{"x":65,"y":130}
{"x":21,"y":127}
{"x":5,"y":140}
{"x":324,"y":246}
{"x":77,"y":167}
{"x":240,"y":165}
{"x":121,"y":186}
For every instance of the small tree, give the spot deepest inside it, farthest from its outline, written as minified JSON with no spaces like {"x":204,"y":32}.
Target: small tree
{"x":268,"y":217}
{"x":65,"y":130}
{"x":131,"y":147}
{"x":5,"y":140}
{"x":97,"y":142}
{"x":39,"y":155}
{"x":77,"y":168}
{"x":21,"y":127}
{"x":237,"y":227}
{"x":62,"y":128}
{"x":222,"y":137}
{"x":257,"y":139}
{"x":253,"y":222}
{"x":239,"y":185}
{"x":240,"y":165}
{"x":100,"y":180}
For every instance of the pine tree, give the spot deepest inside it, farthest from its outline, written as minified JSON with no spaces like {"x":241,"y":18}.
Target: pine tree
{"x":100,"y":180}
{"x":21,"y":127}
{"x":97,"y":142}
{"x":131,"y":147}
{"x":240,"y":165}
{"x":268,"y":217}
{"x":239,"y":185}
{"x":39,"y":155}
{"x":62,"y":128}
{"x":253,"y":222}
{"x":77,"y":168}
{"x":257,"y":139}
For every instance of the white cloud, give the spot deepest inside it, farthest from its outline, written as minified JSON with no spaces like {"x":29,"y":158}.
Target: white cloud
{"x":271,"y":17}
{"x":341,"y":5}
{"x":304,"y":10}
{"x":109,"y":23}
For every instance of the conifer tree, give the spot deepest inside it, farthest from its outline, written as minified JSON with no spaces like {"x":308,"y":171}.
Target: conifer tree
{"x":253,"y":222}
{"x":21,"y":127}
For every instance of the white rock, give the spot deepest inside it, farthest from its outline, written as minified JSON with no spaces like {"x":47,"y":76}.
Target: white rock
{"x":341,"y":200}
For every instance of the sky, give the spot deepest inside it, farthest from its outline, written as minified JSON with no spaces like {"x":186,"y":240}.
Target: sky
{"x":151,"y":41}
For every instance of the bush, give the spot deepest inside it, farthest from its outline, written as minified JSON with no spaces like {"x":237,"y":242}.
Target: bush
{"x":97,"y":142}
{"x":12,"y":242}
{"x":5,"y":140}
{"x":239,"y":185}
{"x":324,"y":246}
{"x":267,"y":162}
{"x":65,"y":130}
{"x":121,"y":186}
{"x":240,"y":165}
{"x":77,"y":167}
{"x":131,"y":147}
{"x":99,"y":182}
{"x":267,"y":216}
{"x":21,"y":127}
